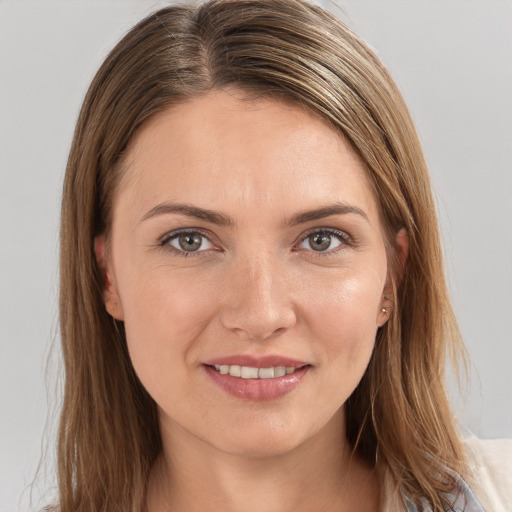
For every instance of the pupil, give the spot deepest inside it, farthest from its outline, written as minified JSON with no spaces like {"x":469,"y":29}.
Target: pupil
{"x":320,"y":241}
{"x":190,"y":242}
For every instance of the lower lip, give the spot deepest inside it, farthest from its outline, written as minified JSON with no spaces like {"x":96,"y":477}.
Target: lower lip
{"x":257,"y":389}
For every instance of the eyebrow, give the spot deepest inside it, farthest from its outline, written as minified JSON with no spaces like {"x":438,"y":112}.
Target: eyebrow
{"x":190,"y":211}
{"x":325,"y":211}
{"x":222,"y":219}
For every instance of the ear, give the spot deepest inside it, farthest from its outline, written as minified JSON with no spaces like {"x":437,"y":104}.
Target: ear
{"x":111,"y":297}
{"x":402,"y":250}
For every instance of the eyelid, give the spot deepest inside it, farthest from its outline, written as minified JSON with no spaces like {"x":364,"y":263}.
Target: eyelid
{"x":345,"y":239}
{"x":172,"y":235}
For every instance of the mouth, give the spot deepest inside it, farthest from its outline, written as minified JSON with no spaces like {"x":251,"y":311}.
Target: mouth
{"x":257,"y":379}
{"x":254,"y":372}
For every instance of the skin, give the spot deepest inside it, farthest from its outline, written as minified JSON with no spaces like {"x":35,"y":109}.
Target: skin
{"x":256,"y":287}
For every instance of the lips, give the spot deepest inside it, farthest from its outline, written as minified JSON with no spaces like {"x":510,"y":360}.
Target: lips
{"x":256,"y":361}
{"x":256,"y":378}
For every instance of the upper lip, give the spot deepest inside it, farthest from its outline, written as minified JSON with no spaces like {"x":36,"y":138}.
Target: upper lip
{"x":256,"y":361}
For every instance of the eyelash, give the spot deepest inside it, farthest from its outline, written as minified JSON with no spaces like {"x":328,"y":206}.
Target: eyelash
{"x":345,"y":239}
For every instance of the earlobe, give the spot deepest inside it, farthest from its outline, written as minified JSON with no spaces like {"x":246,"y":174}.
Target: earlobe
{"x":402,"y":250}
{"x":110,"y":295}
{"x":385,"y":310}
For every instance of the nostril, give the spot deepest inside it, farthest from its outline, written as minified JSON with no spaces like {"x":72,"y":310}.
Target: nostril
{"x":255,"y":335}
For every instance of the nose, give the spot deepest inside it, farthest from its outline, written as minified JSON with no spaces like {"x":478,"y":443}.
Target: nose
{"x":257,"y":304}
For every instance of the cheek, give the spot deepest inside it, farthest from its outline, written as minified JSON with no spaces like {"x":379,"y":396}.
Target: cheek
{"x":343,"y":316}
{"x":165,"y":312}
{"x":167,"y":302}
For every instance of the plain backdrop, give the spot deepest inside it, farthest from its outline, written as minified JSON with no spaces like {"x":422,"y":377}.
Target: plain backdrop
{"x":453,"y":62}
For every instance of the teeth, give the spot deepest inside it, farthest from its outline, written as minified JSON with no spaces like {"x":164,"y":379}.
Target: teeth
{"x":266,"y":373}
{"x":235,"y":370}
{"x":280,"y":371}
{"x":249,"y":372}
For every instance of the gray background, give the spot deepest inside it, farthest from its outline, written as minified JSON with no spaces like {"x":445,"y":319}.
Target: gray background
{"x":452,"y":60}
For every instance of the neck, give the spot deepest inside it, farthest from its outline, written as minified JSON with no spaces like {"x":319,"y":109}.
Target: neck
{"x":320,"y":474}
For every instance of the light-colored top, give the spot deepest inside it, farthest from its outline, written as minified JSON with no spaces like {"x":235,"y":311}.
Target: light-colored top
{"x":491,"y":473}
{"x":486,"y":488}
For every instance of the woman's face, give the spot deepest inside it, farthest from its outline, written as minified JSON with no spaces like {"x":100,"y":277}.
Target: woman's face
{"x":246,"y":241}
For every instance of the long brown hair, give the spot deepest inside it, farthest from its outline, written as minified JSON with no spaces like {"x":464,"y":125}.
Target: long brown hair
{"x":399,"y":415}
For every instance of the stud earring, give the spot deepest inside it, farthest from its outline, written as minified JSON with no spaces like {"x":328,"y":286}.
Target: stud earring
{"x":384,"y":310}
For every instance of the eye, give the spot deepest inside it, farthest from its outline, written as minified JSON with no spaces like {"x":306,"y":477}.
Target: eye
{"x":186,"y":243}
{"x":324,"y":240}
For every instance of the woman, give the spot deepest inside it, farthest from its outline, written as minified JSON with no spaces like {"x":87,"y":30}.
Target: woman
{"x":253,"y":309}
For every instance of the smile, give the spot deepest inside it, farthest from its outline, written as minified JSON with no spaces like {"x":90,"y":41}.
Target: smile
{"x":260,"y":383}
{"x":250,"y":372}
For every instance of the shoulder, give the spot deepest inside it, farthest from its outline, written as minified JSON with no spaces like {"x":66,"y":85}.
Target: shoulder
{"x":490,"y":472}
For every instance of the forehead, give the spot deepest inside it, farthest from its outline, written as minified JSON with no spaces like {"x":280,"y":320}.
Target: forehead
{"x":220,"y":149}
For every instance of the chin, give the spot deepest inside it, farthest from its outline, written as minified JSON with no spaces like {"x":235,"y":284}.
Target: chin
{"x":255,"y":439}
{"x":262,"y":447}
